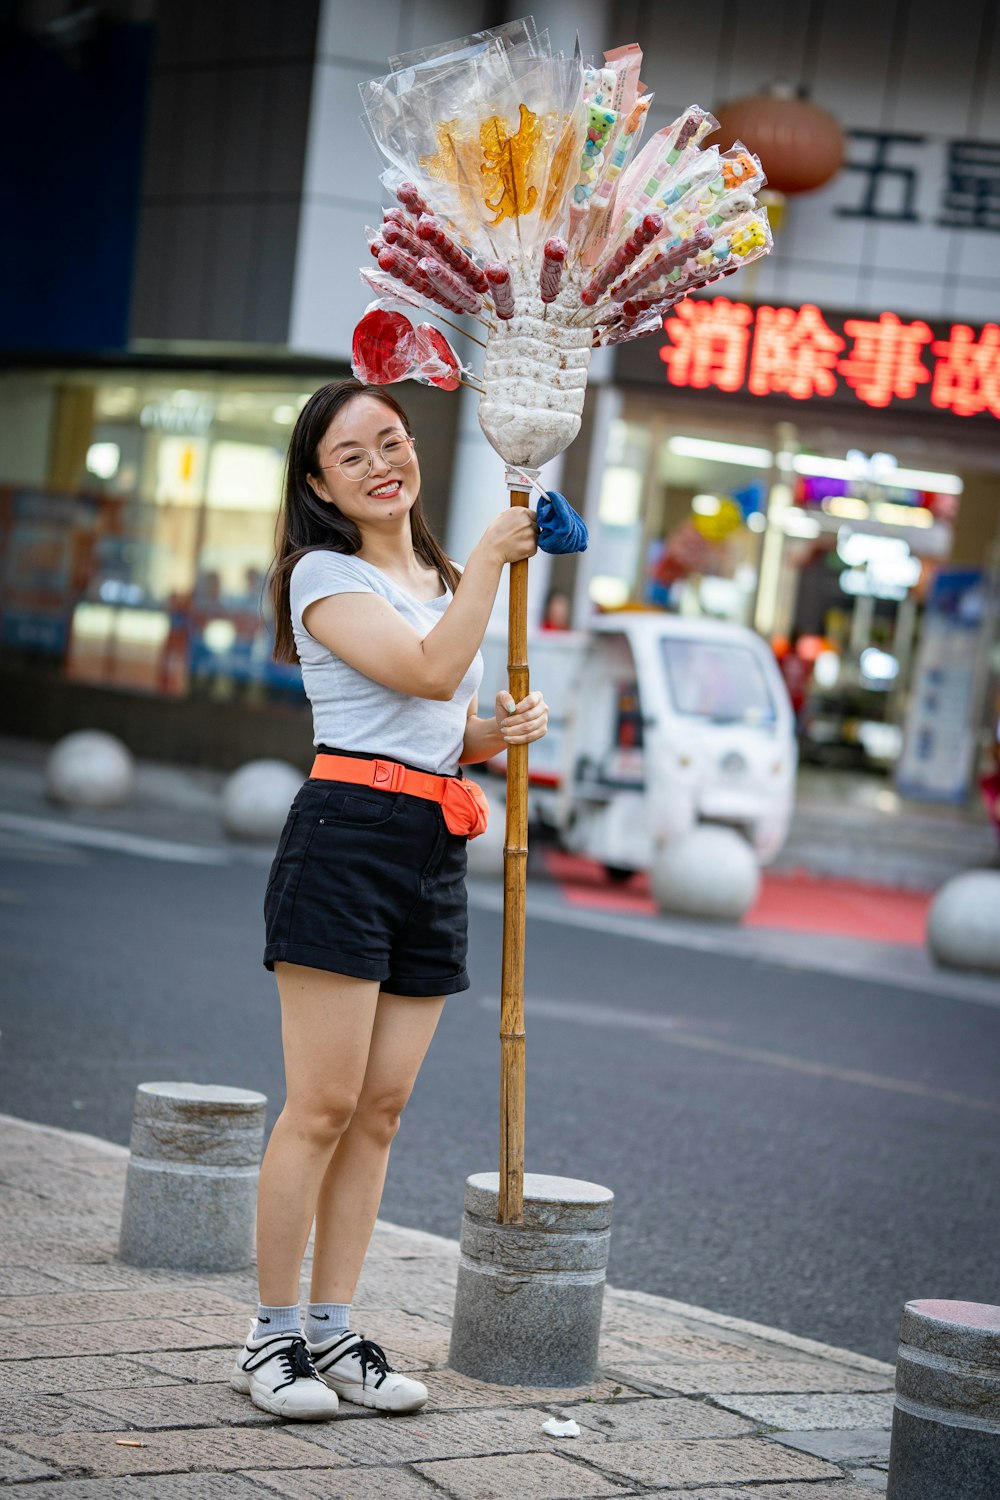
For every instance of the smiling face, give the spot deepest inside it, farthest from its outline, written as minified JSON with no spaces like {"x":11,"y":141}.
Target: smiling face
{"x":389,"y":491}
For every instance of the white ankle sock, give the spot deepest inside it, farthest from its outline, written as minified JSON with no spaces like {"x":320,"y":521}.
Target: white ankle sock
{"x":272,"y":1320}
{"x":326,"y":1319}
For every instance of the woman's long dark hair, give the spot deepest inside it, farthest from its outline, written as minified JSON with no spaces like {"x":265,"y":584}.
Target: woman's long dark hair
{"x":308,"y":524}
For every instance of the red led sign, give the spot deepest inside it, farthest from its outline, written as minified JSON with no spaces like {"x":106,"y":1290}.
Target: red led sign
{"x":806,"y":354}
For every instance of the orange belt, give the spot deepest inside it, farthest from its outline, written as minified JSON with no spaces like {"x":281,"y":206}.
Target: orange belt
{"x":463,"y":802}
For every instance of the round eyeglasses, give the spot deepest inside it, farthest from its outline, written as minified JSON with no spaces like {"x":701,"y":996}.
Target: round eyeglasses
{"x":357,"y":463}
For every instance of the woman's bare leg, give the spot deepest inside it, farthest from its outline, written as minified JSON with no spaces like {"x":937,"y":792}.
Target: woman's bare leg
{"x":326,"y":1032}
{"x":352,"y":1187}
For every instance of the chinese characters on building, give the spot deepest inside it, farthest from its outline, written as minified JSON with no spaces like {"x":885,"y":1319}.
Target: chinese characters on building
{"x":970,"y":192}
{"x":794,"y":351}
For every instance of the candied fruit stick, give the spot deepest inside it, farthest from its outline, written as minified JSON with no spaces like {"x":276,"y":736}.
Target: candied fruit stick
{"x":405,"y":269}
{"x":432,"y":233}
{"x":553,"y":261}
{"x":501,"y":290}
{"x":448,"y":283}
{"x":644,"y":234}
{"x":410,"y":197}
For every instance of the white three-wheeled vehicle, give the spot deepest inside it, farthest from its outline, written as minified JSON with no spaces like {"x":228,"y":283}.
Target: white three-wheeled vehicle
{"x":657,"y":722}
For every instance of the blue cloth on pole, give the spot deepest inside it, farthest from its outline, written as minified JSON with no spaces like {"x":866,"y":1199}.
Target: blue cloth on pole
{"x":560,"y":529}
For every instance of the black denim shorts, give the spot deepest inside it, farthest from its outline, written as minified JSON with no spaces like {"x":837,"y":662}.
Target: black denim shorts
{"x":369,"y":884}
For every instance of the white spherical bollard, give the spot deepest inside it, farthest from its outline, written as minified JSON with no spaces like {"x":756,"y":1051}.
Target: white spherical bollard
{"x":709,"y":872}
{"x":90,"y":769}
{"x":486,"y":852}
{"x":256,"y":798}
{"x":963,"y":925}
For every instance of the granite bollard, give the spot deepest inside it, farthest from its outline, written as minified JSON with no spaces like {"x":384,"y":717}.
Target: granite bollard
{"x":191,"y":1187}
{"x":529,"y":1296}
{"x":946,"y":1420}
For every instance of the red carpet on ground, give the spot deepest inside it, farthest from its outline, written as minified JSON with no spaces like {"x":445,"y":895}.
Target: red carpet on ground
{"x":793,"y":901}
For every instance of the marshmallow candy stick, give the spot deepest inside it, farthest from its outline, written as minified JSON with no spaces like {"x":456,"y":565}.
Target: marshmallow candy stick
{"x":553,"y":260}
{"x":498,"y":276}
{"x":431,"y":233}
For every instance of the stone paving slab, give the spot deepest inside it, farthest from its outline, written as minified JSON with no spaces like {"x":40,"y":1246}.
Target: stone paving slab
{"x":359,"y":1484}
{"x":680,"y":1462}
{"x":869,"y":1443}
{"x":114,"y":1338}
{"x":546,"y":1476}
{"x":198,"y":1366}
{"x":98,"y":1453}
{"x":15,"y":1467}
{"x":33,"y":1413}
{"x":454,"y":1391}
{"x":780,"y":1376}
{"x":813,"y":1413}
{"x":63,"y":1308}
{"x":688,"y":1345}
{"x":23,"y":1281}
{"x":838,"y":1491}
{"x":434,"y":1435}
{"x":160,"y":1487}
{"x":176,"y":1406}
{"x":51,"y":1376}
{"x":665,"y":1417}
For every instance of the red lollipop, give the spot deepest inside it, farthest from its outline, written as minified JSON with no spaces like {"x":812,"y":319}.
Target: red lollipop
{"x":384,"y":347}
{"x":436,"y":359}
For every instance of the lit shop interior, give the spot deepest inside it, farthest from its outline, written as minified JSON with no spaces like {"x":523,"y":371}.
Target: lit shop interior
{"x":828,"y":539}
{"x":136,"y":558}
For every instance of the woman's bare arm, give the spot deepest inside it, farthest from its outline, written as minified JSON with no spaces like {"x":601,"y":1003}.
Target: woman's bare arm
{"x":365,"y":631}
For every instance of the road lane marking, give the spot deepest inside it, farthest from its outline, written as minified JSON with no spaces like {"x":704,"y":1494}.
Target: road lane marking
{"x":107,"y":838}
{"x":673,"y":1029}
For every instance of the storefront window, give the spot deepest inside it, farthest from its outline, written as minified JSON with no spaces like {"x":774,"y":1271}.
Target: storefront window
{"x":137,"y":527}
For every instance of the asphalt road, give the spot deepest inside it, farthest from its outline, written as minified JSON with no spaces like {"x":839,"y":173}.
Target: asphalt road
{"x":794,"y":1148}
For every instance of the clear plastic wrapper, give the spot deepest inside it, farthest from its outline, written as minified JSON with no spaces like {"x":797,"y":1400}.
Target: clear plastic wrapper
{"x":522,"y":196}
{"x":387,"y":348}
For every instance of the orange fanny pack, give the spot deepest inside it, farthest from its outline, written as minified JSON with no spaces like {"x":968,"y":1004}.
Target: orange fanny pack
{"x":463,"y":803}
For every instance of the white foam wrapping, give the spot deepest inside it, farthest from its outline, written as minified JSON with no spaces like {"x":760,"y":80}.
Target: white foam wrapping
{"x":535,"y":373}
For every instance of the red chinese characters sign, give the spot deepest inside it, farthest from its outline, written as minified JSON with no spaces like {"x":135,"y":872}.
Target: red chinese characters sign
{"x":803,"y":353}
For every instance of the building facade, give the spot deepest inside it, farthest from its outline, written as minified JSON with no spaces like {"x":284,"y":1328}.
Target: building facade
{"x":846,"y":387}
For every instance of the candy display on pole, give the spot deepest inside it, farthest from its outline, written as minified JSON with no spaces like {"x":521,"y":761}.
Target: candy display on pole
{"x":524,"y":200}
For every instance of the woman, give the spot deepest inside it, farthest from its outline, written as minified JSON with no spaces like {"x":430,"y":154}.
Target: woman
{"x":365,"y":906}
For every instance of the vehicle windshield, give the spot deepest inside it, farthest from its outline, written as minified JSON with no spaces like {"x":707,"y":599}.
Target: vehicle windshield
{"x":718,"y":681}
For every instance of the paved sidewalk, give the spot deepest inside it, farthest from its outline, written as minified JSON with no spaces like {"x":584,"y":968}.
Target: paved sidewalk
{"x":139,"y":1405}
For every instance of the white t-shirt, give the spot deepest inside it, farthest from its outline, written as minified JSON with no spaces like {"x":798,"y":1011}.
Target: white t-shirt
{"x":350,"y":710}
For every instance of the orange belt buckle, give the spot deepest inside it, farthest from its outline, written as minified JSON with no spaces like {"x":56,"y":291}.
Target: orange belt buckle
{"x":387,"y":775}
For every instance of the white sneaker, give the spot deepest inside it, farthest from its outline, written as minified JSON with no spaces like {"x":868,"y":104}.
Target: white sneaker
{"x":358,"y":1371}
{"x":278,"y":1376}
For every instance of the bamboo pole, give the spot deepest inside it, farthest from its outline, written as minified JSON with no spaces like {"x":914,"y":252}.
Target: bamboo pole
{"x":515,"y":858}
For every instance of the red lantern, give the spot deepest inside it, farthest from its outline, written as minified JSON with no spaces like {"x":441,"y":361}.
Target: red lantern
{"x":800,"y":145}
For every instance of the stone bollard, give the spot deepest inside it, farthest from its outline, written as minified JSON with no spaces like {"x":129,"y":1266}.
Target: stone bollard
{"x":710,"y":873}
{"x":89,"y":768}
{"x":191,"y":1189}
{"x":963,"y":930}
{"x":528,"y":1302}
{"x":946,"y":1421}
